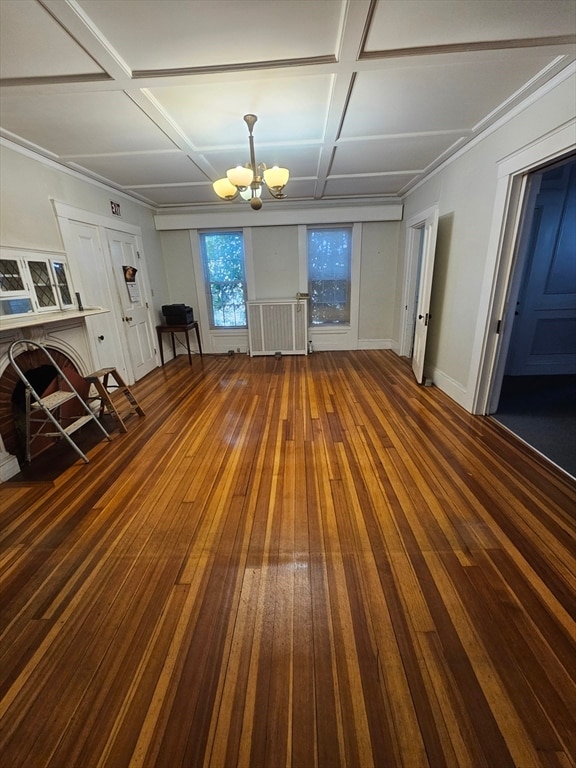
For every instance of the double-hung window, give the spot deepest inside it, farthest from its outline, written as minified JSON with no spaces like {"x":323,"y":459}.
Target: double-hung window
{"x":224,"y":278}
{"x":329,"y":270}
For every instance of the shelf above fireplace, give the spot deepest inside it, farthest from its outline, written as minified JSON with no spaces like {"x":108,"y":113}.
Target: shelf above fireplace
{"x":8,"y":323}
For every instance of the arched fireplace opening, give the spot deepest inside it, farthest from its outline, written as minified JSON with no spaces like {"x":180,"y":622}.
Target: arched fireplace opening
{"x":44,"y":379}
{"x":40,"y":378}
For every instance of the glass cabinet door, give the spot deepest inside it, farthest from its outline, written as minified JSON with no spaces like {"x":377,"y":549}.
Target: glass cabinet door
{"x":34,"y":285}
{"x":43,"y":288}
{"x":14,"y":296}
{"x":62,"y":284}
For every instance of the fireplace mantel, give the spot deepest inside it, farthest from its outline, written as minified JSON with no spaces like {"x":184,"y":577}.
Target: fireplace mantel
{"x":44,"y":318}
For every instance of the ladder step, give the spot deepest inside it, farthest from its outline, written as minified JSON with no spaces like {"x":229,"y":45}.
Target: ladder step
{"x":71,"y":428}
{"x":77,"y":424}
{"x":98,"y":374}
{"x":54,"y":400}
{"x":35,"y":422}
{"x":109,"y":386}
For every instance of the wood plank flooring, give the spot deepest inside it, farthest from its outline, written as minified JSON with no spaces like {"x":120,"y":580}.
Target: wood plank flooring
{"x":307,"y":562}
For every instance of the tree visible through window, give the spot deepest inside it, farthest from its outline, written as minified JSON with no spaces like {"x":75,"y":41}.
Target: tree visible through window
{"x":224,"y":274}
{"x":329,"y":259}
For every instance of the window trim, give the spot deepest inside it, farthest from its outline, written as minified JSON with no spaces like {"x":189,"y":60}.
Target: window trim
{"x":340,"y":336}
{"x":207,"y":297}
{"x":330,"y":227}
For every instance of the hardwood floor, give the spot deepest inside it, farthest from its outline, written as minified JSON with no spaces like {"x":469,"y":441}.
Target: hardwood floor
{"x":309,"y":561}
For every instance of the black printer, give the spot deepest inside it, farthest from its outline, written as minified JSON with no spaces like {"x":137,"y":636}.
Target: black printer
{"x":178,"y":314}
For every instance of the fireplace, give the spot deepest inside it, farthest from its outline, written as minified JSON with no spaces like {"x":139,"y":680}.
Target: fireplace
{"x":43,"y":377}
{"x":66,"y":338}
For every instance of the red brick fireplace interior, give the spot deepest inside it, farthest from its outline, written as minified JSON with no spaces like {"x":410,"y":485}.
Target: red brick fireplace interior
{"x":44,"y":379}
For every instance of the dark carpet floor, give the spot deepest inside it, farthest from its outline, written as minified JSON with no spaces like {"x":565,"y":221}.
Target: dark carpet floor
{"x":541,"y":410}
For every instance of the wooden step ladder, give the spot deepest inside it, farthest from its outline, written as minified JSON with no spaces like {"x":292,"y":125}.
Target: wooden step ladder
{"x":101,"y":381}
{"x":42,"y":411}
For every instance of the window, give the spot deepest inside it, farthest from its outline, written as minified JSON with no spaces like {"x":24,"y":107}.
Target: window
{"x":33,"y":285}
{"x":329,"y":266}
{"x":225,"y":280}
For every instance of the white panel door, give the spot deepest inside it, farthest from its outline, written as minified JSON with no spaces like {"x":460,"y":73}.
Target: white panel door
{"x":129,"y":277}
{"x":430,"y":226}
{"x":88,"y":266}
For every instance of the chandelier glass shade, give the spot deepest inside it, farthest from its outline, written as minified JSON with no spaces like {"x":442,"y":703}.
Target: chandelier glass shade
{"x":248,"y":180}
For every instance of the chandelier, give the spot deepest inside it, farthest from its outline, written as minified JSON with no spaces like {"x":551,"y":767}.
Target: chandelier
{"x":248,"y":180}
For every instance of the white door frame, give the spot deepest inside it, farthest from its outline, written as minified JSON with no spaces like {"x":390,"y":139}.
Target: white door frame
{"x":520,"y":230}
{"x":502,"y":247}
{"x":414,"y":233}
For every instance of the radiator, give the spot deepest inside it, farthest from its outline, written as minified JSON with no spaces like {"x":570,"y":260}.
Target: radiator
{"x":278,"y":326}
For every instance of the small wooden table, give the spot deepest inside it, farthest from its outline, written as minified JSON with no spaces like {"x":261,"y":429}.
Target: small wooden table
{"x":172,"y":329}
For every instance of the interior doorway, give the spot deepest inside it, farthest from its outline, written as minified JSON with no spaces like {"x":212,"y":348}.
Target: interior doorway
{"x":421,"y":233}
{"x":533,"y":390}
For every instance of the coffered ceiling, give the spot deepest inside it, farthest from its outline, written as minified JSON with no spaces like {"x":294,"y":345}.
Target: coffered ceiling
{"x":358,"y":98}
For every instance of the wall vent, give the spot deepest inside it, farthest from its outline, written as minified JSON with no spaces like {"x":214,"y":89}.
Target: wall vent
{"x":278,"y":325}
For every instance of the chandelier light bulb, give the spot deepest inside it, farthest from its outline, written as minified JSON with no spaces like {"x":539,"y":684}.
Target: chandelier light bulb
{"x":225,"y":189}
{"x":276,"y":178}
{"x":240,"y":176}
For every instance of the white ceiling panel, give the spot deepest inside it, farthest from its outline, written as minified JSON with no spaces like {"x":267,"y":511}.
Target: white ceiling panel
{"x":174,"y":34}
{"x":395,"y":154}
{"x":82,"y":123}
{"x":399,"y":24}
{"x":357,"y":98}
{"x":300,"y":189}
{"x":132,"y":169}
{"x":289,"y":109}
{"x":445,"y":94}
{"x":176,"y":195}
{"x":33,"y":44}
{"x":367,"y":186}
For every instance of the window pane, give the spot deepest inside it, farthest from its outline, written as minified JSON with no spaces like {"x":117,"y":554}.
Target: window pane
{"x":223,"y":259}
{"x":62,"y":282}
{"x":42,"y":284}
{"x":329,"y":260}
{"x":10,"y":278}
{"x":15,"y":306}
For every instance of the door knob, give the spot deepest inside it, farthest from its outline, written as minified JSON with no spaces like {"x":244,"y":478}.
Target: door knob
{"x":128,"y":319}
{"x":100,"y":338}
{"x":420,"y":317}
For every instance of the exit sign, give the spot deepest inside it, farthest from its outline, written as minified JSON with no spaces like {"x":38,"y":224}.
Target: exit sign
{"x":115,"y":208}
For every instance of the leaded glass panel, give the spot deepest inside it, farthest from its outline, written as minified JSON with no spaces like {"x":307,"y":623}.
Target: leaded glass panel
{"x":42,"y":284}
{"x":10,"y":277}
{"x":62,"y":282}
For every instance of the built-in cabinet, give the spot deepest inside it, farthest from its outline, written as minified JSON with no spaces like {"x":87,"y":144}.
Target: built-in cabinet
{"x":33,"y":282}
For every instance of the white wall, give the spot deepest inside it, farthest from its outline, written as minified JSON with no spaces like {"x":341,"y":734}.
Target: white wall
{"x":378,"y":270}
{"x":465,"y":191}
{"x":275,"y":256}
{"x":275,"y":262}
{"x":177,"y":255}
{"x":27,"y":219}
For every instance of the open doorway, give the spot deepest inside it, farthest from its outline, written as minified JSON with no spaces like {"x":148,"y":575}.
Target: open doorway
{"x":421,"y":233}
{"x":534,"y":387}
